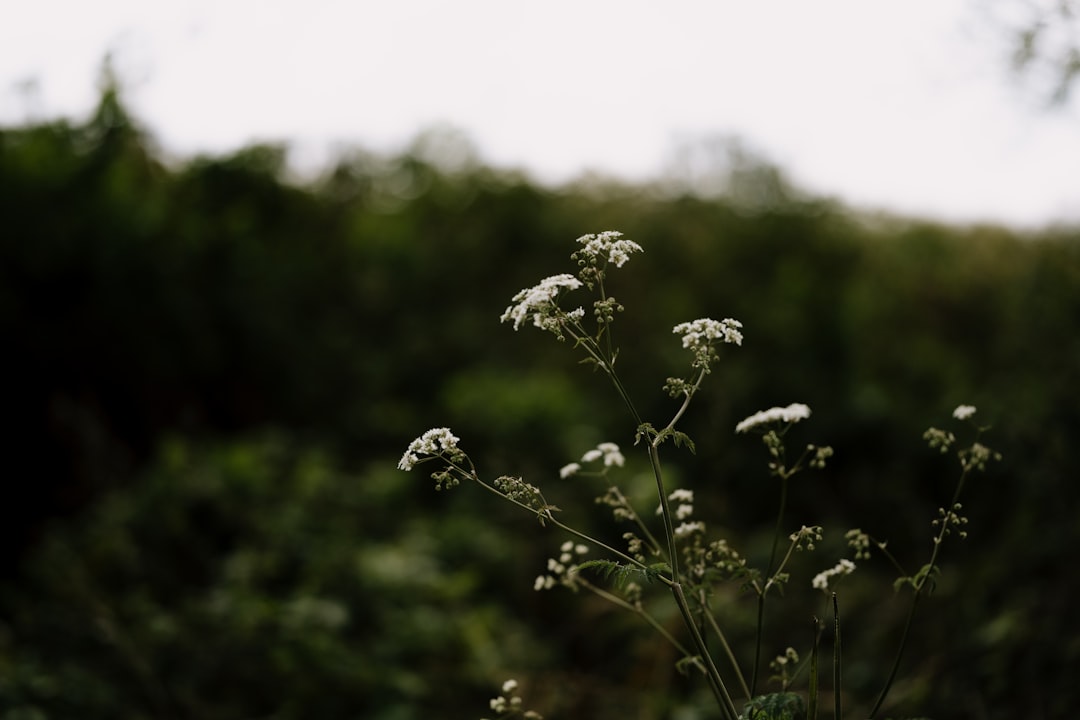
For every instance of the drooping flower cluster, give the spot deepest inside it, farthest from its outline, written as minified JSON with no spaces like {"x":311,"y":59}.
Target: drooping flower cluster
{"x":538,"y":303}
{"x":562,"y":570}
{"x":821,"y":580}
{"x":791,"y":414}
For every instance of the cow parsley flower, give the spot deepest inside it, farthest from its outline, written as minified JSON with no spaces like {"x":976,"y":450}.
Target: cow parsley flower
{"x":791,"y":414}
{"x":569,"y":469}
{"x":434,"y":442}
{"x":538,"y":303}
{"x":821,"y":580}
{"x":705,"y":331}
{"x":963,"y":412}
{"x":608,"y":246}
{"x":607,"y":451}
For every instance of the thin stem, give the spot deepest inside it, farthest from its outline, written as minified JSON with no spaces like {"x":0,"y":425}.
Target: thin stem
{"x":715,"y":681}
{"x":669,"y":528}
{"x":728,"y":651}
{"x":549,"y":517}
{"x":637,"y":610}
{"x":769,"y":575}
{"x":919,"y":585}
{"x":812,"y":702}
{"x":838,"y":710}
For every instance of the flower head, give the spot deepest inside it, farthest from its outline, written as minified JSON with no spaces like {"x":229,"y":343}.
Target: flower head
{"x":705,"y":331}
{"x":791,"y":414}
{"x":607,"y":246}
{"x":538,"y":302}
{"x":434,"y":442}
{"x":963,"y":412}
{"x":821,"y":580}
{"x":607,"y":451}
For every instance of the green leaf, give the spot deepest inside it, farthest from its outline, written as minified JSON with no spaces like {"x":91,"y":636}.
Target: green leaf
{"x":620,"y":574}
{"x":776,"y":706}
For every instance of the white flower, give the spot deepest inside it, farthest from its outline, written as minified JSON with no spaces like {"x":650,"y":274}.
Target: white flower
{"x":681,"y":495}
{"x":538,"y":302}
{"x":608,"y":451}
{"x":509,"y":686}
{"x":433,"y":442}
{"x":821,"y":580}
{"x":963,"y":412}
{"x":684,"y":511}
{"x":790,"y":414}
{"x":689,"y":527}
{"x":608,"y":245}
{"x":570,"y":469}
{"x":705,"y":330}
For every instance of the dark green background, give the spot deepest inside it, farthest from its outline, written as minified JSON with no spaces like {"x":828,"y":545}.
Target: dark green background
{"x":212,"y":372}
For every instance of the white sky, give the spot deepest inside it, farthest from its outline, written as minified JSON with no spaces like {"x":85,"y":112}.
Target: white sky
{"x":906,"y":106}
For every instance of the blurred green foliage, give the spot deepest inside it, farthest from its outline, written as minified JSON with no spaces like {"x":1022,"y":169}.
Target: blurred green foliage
{"x":213,"y":371}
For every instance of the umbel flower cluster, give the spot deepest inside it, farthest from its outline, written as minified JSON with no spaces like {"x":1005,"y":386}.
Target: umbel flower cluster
{"x":672,"y":548}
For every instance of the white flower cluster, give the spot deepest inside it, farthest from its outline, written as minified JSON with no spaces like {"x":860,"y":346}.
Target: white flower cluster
{"x":963,"y":412}
{"x":561,"y":571}
{"x":704,"y":331}
{"x":511,"y":705}
{"x":538,"y":302}
{"x":435,"y":441}
{"x":689,"y":528}
{"x":821,"y":580}
{"x":685,"y":507}
{"x":609,"y":246}
{"x":791,"y":414}
{"x":607,"y":451}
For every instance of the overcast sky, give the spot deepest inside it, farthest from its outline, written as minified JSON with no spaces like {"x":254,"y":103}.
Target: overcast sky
{"x":905,"y":106}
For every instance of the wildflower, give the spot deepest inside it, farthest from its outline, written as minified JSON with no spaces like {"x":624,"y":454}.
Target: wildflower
{"x":859,"y":542}
{"x":791,"y":414}
{"x":608,"y":451}
{"x":821,"y":580}
{"x":435,"y":442}
{"x":509,"y":686}
{"x":608,"y":246}
{"x":562,"y":570}
{"x":538,"y":302}
{"x":688,"y":528}
{"x":704,"y":331}
{"x":570,"y":469}
{"x":963,"y":412}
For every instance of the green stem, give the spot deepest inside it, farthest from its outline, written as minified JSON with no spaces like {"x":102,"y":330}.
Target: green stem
{"x":728,"y":651}
{"x":938,"y":540}
{"x":715,"y":681}
{"x":768,"y":574}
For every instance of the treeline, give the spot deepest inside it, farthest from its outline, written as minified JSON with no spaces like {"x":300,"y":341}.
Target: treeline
{"x":213,"y":370}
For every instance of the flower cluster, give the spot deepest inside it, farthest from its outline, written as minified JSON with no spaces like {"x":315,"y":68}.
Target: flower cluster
{"x":562,"y":570}
{"x":435,"y":442}
{"x":793,"y":413}
{"x":509,"y":703}
{"x":806,"y":537}
{"x":859,"y":542}
{"x":949,"y":520}
{"x":701,"y":336}
{"x":607,"y":451}
{"x":963,"y":412}
{"x":538,"y":303}
{"x":821,"y":580}
{"x":976,"y":457}
{"x":607,"y":246}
